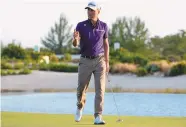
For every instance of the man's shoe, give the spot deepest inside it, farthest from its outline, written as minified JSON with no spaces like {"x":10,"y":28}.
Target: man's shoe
{"x":98,"y":120}
{"x":78,"y":115}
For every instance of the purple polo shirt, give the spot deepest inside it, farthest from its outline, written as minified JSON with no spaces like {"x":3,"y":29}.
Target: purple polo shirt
{"x":91,"y":42}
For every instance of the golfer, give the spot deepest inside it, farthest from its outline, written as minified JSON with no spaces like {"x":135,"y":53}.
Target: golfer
{"x":92,"y":36}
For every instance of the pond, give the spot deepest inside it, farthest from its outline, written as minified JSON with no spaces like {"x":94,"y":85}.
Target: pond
{"x":130,"y":104}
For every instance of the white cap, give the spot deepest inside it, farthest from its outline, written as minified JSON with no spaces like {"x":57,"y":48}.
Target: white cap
{"x":93,"y":5}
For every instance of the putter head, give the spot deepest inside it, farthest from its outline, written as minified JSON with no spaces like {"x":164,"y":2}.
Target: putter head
{"x":119,"y":120}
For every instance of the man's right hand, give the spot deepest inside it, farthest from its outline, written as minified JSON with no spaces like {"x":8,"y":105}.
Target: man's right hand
{"x":76,"y":38}
{"x":76,"y":35}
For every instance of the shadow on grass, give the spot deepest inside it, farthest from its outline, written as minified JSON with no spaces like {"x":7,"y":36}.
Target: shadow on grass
{"x":81,"y":124}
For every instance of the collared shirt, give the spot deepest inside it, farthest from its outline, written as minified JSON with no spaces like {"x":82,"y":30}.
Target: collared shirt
{"x":92,"y":37}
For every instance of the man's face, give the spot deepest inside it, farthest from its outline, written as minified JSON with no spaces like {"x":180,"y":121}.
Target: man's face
{"x":92,"y":14}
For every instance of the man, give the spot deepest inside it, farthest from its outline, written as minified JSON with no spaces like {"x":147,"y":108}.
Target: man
{"x":92,"y":35}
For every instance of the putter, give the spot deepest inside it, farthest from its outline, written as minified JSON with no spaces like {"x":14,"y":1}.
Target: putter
{"x":118,"y":114}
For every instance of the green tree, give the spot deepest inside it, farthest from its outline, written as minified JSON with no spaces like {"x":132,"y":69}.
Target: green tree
{"x":170,"y":46}
{"x":58,"y":36}
{"x":182,"y":45}
{"x":157,"y":44}
{"x":130,"y":33}
{"x":13,"y":50}
{"x":42,"y":49}
{"x":2,"y":46}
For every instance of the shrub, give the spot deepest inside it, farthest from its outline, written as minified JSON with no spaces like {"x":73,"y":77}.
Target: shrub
{"x":113,"y":61}
{"x":35,"y":56}
{"x":63,"y":68}
{"x":178,"y":69}
{"x":141,"y":72}
{"x":3,"y":73}
{"x":19,"y":65}
{"x":44,"y":67}
{"x":15,"y":72}
{"x":173,"y":58}
{"x":14,"y":51}
{"x":125,"y":56}
{"x":10,"y":72}
{"x":162,"y":66}
{"x":54,"y":58}
{"x":165,"y":66}
{"x":184,"y":57}
{"x":28,"y":60}
{"x":123,"y":68}
{"x":59,"y":67}
{"x":120,"y":54}
{"x":25,"y":71}
{"x":135,"y":59}
{"x":67,"y":57}
{"x":140,"y":60}
{"x":151,"y":68}
{"x":5,"y":65}
{"x":34,"y":66}
{"x":126,"y":59}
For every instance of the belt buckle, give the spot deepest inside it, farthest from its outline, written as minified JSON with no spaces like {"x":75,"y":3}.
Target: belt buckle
{"x":89,"y":57}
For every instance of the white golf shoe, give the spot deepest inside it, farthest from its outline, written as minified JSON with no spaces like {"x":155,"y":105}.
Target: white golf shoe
{"x":78,"y":115}
{"x":98,"y":120}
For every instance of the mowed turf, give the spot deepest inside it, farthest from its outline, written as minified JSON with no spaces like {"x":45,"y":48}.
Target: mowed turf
{"x":16,"y":119}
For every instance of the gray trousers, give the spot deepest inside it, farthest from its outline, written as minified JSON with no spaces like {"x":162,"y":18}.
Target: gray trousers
{"x":86,"y":67}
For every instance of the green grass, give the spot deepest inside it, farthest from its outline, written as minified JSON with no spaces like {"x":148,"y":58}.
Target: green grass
{"x":13,"y":119}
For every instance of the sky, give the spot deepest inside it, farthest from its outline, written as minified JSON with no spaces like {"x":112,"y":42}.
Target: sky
{"x":27,"y":21}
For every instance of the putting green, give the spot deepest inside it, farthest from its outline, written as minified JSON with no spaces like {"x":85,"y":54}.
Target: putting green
{"x":15,"y":119}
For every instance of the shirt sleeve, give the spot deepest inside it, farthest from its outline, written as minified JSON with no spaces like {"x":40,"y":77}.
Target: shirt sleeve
{"x":78,"y":27}
{"x":106,"y":32}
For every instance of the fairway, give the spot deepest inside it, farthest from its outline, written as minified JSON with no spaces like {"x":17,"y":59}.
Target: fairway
{"x":15,"y":119}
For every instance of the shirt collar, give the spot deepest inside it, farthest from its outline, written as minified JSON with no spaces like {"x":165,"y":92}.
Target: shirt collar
{"x":97,"y":23}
